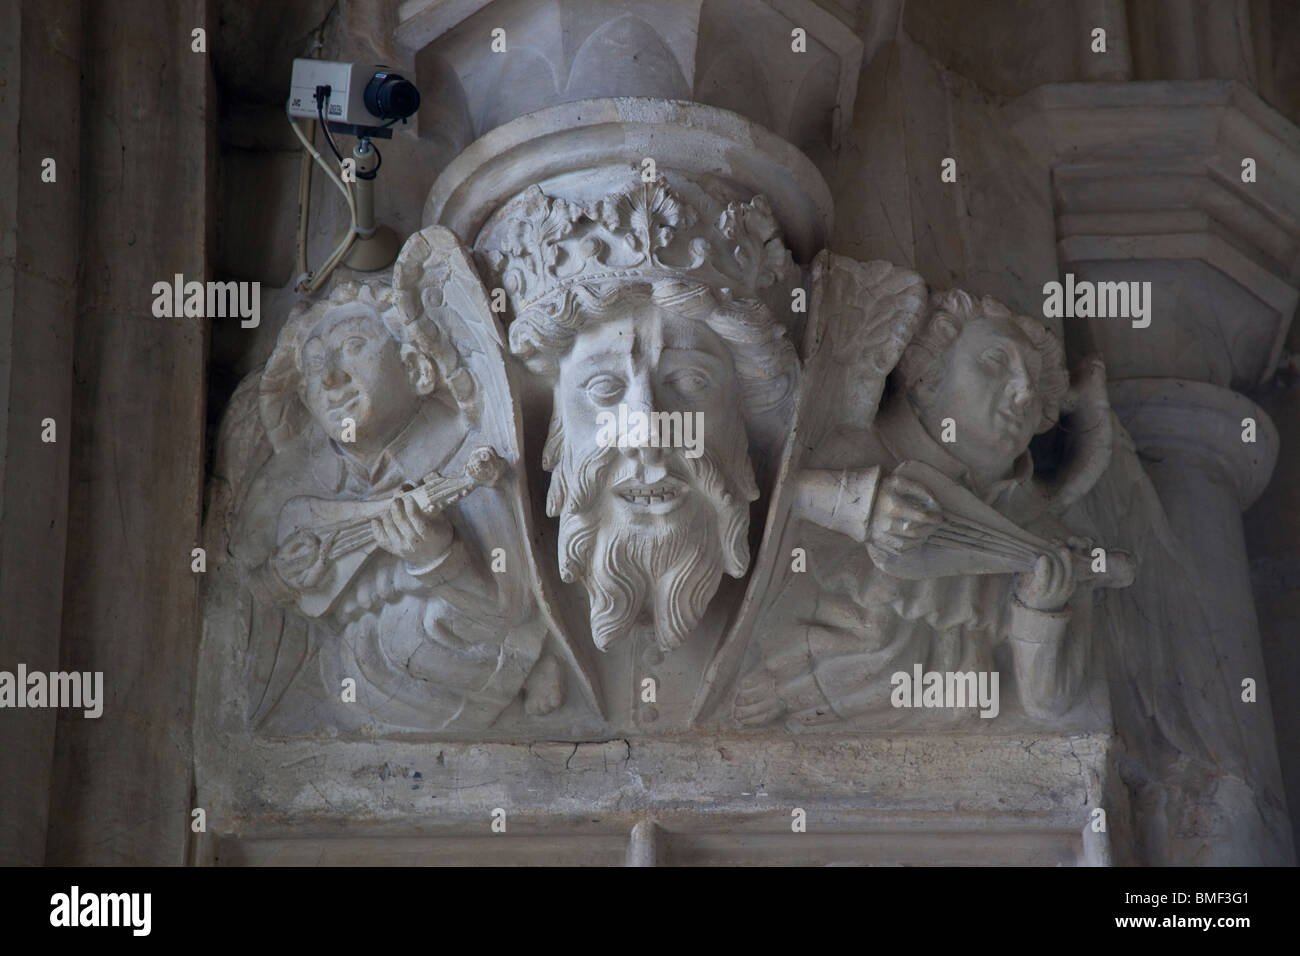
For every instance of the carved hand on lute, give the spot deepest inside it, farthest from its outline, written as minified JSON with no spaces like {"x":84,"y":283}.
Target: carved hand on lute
{"x":325,"y":541}
{"x":1050,"y":584}
{"x":409,"y":532}
{"x":904,"y":516}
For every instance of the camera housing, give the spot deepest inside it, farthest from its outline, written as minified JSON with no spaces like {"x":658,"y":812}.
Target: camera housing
{"x":360,"y":95}
{"x":390,"y":96}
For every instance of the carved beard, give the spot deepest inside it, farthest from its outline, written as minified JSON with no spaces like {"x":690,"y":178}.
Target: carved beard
{"x":674,"y":565}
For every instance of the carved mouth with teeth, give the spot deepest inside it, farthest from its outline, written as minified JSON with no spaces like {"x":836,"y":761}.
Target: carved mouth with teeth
{"x":659,"y":497}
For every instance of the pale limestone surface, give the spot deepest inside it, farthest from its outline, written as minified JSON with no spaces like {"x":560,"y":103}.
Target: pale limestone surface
{"x":878,"y":432}
{"x":480,"y":690}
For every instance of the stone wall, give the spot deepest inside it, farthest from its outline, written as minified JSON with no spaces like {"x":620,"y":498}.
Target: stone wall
{"x":98,"y":525}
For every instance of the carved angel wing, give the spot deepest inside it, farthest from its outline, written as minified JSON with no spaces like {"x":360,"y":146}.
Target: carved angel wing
{"x":1169,"y":674}
{"x":862,"y":315}
{"x":434,"y":278}
{"x":275,"y":643}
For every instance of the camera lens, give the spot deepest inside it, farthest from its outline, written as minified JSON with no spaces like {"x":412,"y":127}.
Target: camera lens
{"x":388,"y":96}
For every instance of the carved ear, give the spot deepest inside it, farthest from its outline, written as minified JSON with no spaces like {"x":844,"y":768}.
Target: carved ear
{"x":423,"y":374}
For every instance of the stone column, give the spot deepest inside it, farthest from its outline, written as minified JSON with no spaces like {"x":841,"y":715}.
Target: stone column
{"x":1109,"y":15}
{"x":40,"y":61}
{"x":1190,"y":437}
{"x":121,"y":786}
{"x":1151,"y":186}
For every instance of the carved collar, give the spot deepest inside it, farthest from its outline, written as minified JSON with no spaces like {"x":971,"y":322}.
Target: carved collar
{"x":426,"y":443}
{"x":903,"y":435}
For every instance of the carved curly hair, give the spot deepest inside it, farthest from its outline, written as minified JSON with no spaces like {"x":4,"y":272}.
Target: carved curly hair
{"x":767,"y":367}
{"x":949,"y":312}
{"x":283,"y":412}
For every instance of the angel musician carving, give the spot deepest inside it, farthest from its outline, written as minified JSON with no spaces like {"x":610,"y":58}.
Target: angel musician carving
{"x":922,"y":551}
{"x":378,"y":516}
{"x":929,"y":539}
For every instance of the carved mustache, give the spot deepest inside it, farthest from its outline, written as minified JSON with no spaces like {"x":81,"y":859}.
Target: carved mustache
{"x":576,"y":487}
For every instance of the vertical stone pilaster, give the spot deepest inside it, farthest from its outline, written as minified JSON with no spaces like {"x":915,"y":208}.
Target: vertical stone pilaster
{"x":1151,"y":185}
{"x":121,"y":788}
{"x":1111,"y":16}
{"x":39,"y":107}
{"x":1190,"y":437}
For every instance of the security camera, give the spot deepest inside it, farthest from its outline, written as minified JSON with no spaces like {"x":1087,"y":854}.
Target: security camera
{"x":351,"y":97}
{"x":354,"y":100}
{"x":390,"y":97}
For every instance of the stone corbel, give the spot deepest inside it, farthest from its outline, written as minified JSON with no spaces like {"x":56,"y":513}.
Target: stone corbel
{"x":1148,"y":185}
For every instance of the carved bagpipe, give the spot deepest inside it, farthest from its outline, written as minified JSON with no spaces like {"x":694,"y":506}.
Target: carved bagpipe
{"x":325,"y":541}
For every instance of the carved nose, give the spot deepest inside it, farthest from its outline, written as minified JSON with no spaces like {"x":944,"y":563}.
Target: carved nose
{"x":641,"y":445}
{"x":646,"y":454}
{"x":640,"y":404}
{"x":333,"y":374}
{"x":1019,"y":386}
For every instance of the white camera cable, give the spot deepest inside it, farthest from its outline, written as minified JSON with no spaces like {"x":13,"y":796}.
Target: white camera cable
{"x":309,"y":282}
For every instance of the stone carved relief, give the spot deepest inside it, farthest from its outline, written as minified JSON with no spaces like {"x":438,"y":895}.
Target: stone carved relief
{"x":627,"y":564}
{"x":928,"y":538}
{"x":380,"y":514}
{"x":374,"y":559}
{"x":639,"y":307}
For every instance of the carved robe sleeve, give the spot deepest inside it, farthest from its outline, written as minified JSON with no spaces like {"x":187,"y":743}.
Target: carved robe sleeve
{"x":1050,"y":650}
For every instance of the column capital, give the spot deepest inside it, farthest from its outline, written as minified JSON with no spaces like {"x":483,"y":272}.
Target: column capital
{"x":792,"y":67}
{"x":1175,"y":418}
{"x":584,"y":151}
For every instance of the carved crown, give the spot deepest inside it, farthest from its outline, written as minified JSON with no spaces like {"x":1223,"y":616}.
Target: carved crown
{"x":645,"y":232}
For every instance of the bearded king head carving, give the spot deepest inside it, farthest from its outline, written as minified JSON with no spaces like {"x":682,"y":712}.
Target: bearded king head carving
{"x":637,"y":308}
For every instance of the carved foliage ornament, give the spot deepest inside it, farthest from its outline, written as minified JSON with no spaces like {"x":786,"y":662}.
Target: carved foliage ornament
{"x":642,"y":233}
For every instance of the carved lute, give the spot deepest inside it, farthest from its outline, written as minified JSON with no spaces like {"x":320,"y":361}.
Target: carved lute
{"x":974,"y":538}
{"x":329,"y":539}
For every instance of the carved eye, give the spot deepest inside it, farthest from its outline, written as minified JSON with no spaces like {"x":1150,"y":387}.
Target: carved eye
{"x":604,"y":388}
{"x":354,"y":345}
{"x":690,"y":381}
{"x":996,"y":357}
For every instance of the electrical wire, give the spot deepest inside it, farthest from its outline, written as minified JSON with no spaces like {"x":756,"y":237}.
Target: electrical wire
{"x":304,"y":205}
{"x":314,"y":281}
{"x":304,"y":177}
{"x":321,"y":103}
